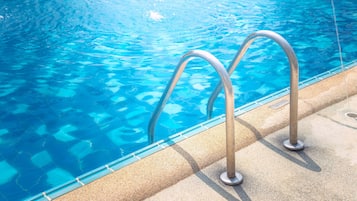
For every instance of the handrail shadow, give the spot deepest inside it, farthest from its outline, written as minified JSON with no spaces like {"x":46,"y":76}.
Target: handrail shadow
{"x":208,"y":181}
{"x":307,"y":162}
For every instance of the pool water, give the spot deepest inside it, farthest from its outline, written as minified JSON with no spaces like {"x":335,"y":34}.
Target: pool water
{"x":80,"y":79}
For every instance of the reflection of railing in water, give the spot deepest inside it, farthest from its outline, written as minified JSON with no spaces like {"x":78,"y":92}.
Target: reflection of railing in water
{"x":293,"y":143}
{"x":230,"y":177}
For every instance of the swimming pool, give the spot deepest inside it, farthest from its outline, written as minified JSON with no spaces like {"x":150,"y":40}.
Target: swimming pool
{"x":80,"y":79}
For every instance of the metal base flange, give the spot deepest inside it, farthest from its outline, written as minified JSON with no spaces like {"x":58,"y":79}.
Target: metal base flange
{"x":238,"y":179}
{"x":293,"y":147}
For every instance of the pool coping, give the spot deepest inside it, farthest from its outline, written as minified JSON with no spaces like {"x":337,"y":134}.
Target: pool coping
{"x":166,"y":167}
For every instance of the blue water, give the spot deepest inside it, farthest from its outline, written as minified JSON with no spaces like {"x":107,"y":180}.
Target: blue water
{"x":80,"y":79}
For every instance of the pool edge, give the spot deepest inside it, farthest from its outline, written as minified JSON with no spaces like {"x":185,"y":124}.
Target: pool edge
{"x":160,"y":170}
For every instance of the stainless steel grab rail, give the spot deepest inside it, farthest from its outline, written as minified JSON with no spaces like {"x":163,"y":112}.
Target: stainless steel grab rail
{"x":293,"y":143}
{"x":231,"y":177}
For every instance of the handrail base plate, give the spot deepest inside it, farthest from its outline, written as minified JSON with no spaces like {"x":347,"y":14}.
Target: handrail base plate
{"x":293,"y":147}
{"x":238,"y":179}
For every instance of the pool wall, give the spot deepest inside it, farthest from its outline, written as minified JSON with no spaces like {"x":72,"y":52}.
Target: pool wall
{"x":149,"y":175}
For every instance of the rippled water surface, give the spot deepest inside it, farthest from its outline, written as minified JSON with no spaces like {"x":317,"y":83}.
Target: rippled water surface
{"x":80,"y":79}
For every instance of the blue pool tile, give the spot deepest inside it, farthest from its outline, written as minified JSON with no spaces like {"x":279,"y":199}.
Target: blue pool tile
{"x":58,"y":176}
{"x":172,"y":108}
{"x":30,"y":182}
{"x":41,"y":159}
{"x":41,"y":130}
{"x":3,"y":131}
{"x":65,"y":137}
{"x":63,"y":133}
{"x":96,"y":159}
{"x":12,"y":192}
{"x":7,"y":172}
{"x":65,"y":93}
{"x":100,"y":118}
{"x":114,"y":136}
{"x":81,"y":149}
{"x":59,"y":153}
{"x":114,"y":85}
{"x":5,"y":92}
{"x":149,"y":97}
{"x":21,"y":108}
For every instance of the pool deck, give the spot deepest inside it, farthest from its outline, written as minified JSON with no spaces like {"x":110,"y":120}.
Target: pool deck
{"x":189,"y":170}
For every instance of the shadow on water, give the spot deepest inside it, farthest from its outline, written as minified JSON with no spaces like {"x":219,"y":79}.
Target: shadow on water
{"x":208,"y":181}
{"x":306,"y":161}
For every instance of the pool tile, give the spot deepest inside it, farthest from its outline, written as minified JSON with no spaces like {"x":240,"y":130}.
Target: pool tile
{"x":100,"y":118}
{"x":41,"y":130}
{"x":7,"y":172}
{"x":41,"y":159}
{"x":115,"y":137}
{"x":81,"y":149}
{"x":3,"y":131}
{"x":65,"y":93}
{"x":172,"y":108}
{"x":62,"y":134}
{"x":58,"y":176}
{"x":21,"y":108}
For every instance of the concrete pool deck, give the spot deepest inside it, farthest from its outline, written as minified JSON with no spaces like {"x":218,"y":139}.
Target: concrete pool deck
{"x":189,"y":170}
{"x":325,"y":170}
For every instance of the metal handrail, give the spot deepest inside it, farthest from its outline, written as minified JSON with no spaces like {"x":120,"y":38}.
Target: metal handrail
{"x":293,"y":143}
{"x":231,"y":177}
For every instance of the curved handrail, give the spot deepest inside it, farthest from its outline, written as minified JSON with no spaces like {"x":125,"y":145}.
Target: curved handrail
{"x":294,"y":77}
{"x":227,"y":84}
{"x":179,"y":69}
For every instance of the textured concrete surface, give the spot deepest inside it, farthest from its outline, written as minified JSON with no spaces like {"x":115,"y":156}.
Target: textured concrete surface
{"x":325,"y":170}
{"x":270,"y":171}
